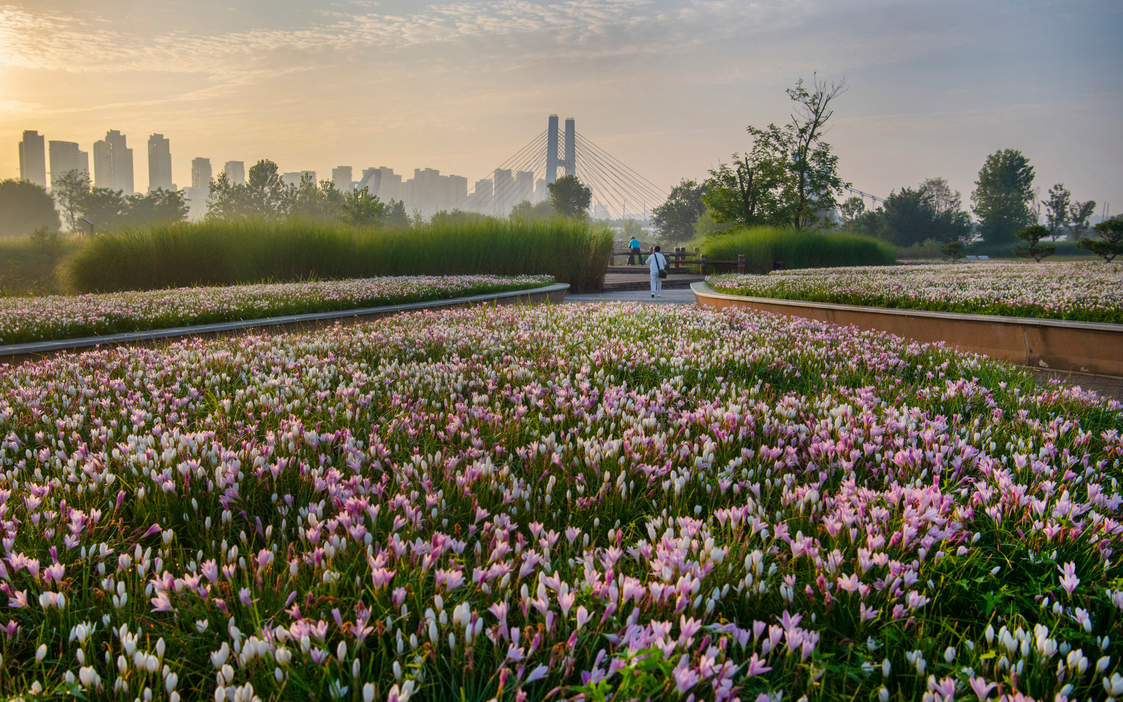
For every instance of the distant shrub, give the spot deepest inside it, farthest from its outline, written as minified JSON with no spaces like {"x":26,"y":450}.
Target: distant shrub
{"x":763,"y":246}
{"x":246,"y":251}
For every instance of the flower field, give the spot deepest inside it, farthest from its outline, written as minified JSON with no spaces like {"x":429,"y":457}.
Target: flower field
{"x":576,"y":502}
{"x":28,"y":319}
{"x":1088,"y":292}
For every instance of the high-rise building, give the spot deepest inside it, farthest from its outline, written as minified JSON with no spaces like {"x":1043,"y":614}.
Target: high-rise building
{"x":504,"y":190}
{"x":65,"y":157}
{"x":524,"y":187}
{"x":293,"y":177}
{"x":33,"y":158}
{"x":480,"y":199}
{"x":235,"y":172}
{"x":159,"y":163}
{"x":113,"y":163}
{"x":341,"y":176}
{"x":201,"y":173}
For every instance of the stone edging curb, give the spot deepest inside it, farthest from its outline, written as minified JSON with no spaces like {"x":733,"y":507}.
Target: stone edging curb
{"x":1085,"y":347}
{"x":20,"y":353}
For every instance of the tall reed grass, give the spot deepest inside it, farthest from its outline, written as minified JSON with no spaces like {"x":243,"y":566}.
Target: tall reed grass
{"x":762,"y":246}
{"x":231,"y":252}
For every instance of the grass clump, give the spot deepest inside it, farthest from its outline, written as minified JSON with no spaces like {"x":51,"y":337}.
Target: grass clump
{"x":232,"y":252}
{"x":763,"y":246}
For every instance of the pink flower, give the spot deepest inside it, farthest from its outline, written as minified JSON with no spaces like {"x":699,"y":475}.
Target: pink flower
{"x":1069,"y":581}
{"x":160,"y":602}
{"x":981,"y":687}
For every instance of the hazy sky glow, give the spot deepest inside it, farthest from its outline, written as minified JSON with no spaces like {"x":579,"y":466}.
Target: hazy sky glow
{"x":666,"y":86}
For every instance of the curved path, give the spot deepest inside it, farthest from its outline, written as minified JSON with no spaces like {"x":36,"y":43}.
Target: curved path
{"x":21,"y":353}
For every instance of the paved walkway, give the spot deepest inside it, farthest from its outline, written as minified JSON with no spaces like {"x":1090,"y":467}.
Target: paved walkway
{"x":670,"y":297}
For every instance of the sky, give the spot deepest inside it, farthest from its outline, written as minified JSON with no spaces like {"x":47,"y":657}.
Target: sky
{"x":665,"y":86}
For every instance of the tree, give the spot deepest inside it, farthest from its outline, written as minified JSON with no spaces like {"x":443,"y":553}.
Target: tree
{"x":1002,"y":196}
{"x":1078,"y":214}
{"x":850,"y":210}
{"x":1056,"y":209}
{"x":814,"y":166}
{"x":570,"y":197}
{"x":321,"y":202}
{"x":69,"y":190}
{"x":361,"y":209}
{"x":263,"y":195}
{"x":1031,"y":235}
{"x":1111,"y":232}
{"x":526,"y":212}
{"x":24,"y":206}
{"x":674,"y":219}
{"x":789,"y":177}
{"x":395,"y":215}
{"x":932,"y":211}
{"x":157,"y":207}
{"x":954,"y":249}
{"x":105,"y":207}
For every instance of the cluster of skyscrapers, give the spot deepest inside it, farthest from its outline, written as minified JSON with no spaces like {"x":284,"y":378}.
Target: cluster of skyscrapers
{"x":427,"y":192}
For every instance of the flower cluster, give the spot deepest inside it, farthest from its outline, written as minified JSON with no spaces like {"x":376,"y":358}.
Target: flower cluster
{"x":1090,"y":292}
{"x":28,"y":319}
{"x":582,"y":501}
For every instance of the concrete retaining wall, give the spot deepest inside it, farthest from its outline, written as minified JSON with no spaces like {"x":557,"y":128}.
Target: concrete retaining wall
{"x":1041,"y":343}
{"x":21,"y":353}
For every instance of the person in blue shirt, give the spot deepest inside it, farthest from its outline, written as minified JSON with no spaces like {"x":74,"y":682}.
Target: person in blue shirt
{"x":633,"y":252}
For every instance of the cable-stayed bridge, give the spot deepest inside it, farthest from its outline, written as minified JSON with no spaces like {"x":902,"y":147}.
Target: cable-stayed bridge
{"x":618,"y":191}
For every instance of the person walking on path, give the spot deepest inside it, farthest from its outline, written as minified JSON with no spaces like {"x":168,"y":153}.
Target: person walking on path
{"x":658,"y":264}
{"x":633,"y":252}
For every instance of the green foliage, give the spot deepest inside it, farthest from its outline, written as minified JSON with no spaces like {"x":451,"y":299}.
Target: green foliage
{"x":1056,"y":209}
{"x":1078,"y":214}
{"x":29,"y":266}
{"x":789,"y":177}
{"x":762,"y":246}
{"x":256,"y":250}
{"x":570,"y":197}
{"x":1111,"y":233}
{"x":318,"y":202}
{"x":527,"y":212}
{"x":910,"y":217}
{"x":25,"y":206}
{"x":674,"y":219}
{"x":157,"y":207}
{"x":263,"y":196}
{"x":1002,"y":196}
{"x":1032,"y":235}
{"x":69,"y":190}
{"x":396,"y":216}
{"x":953,"y":249}
{"x":361,"y":209}
{"x":850,"y":210}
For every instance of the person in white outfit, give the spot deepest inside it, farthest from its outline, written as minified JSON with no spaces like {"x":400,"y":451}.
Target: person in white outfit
{"x":656,"y":262}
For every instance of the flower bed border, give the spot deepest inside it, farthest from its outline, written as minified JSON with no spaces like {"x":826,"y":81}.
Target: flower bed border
{"x":13,"y":354}
{"x":1087,"y":347}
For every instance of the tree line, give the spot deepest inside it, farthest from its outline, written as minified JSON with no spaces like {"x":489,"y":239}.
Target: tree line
{"x":789,"y":178}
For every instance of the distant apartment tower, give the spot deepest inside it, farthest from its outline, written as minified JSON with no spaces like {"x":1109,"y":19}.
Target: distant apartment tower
{"x":113,"y":163}
{"x":33,"y":158}
{"x":201,"y":173}
{"x":341,"y":176}
{"x":66,"y":157}
{"x":159,"y":163}
{"x":293,"y":177}
{"x":235,"y":172}
{"x":501,"y":199}
{"x":480,"y":199}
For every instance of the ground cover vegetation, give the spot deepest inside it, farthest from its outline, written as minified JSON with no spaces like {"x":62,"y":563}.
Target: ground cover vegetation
{"x":764,"y":246}
{"x":254,"y":250}
{"x":28,"y":319}
{"x":1079,"y":291}
{"x":523,"y":503}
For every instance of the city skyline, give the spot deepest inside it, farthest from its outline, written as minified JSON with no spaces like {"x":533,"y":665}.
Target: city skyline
{"x":666,"y":86}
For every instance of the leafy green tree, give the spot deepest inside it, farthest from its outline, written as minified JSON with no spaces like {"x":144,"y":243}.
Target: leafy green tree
{"x":813,"y":165}
{"x":1111,"y":233}
{"x":932,"y":211}
{"x":570,"y":197}
{"x":105,"y":207}
{"x":396,"y":214}
{"x":953,"y":249}
{"x":1056,"y":209}
{"x":263,"y":195}
{"x":1002,"y":196}
{"x":24,"y":206}
{"x":1032,"y":235}
{"x":157,"y":207}
{"x":526,"y":212}
{"x":674,"y":219}
{"x":69,"y":190}
{"x":321,"y":202}
{"x":361,"y":209}
{"x":850,"y":210}
{"x":1078,"y":214}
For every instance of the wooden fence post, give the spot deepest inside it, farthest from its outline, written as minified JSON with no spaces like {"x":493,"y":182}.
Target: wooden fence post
{"x":702,"y":264}
{"x":741,"y":263}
